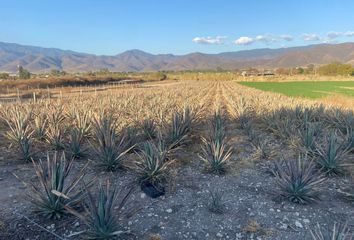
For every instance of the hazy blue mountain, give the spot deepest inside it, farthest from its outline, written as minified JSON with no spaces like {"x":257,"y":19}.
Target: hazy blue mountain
{"x":38,"y":59}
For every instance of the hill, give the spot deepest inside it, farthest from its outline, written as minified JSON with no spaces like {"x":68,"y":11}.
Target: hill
{"x":38,"y":59}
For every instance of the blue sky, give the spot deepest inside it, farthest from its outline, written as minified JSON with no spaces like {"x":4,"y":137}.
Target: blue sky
{"x":179,"y":26}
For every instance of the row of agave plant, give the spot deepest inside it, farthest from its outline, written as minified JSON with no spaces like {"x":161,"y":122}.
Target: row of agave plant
{"x":61,"y":192}
{"x":155,"y":149}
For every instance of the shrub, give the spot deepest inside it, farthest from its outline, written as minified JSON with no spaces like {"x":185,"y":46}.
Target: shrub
{"x":298,"y":181}
{"x":55,"y":191}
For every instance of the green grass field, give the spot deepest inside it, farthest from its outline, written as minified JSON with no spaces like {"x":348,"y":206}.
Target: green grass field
{"x":305,"y":89}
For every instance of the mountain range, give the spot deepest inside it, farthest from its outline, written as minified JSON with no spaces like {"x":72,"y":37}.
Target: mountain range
{"x":38,"y":59}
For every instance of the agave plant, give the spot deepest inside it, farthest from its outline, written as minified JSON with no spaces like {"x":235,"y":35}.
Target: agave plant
{"x":149,"y":129}
{"x":262,"y":150}
{"x":130,"y":136}
{"x":75,"y":143}
{"x":56,"y":131}
{"x":82,"y":121}
{"x":216,"y":204}
{"x":216,"y":155}
{"x":55,"y":191}
{"x":218,"y":132}
{"x":180,"y":127}
{"x":338,"y":232}
{"x":349,"y":140}
{"x":215,"y":151}
{"x":40,"y":126}
{"x":330,"y":156}
{"x":109,"y":150}
{"x":100,"y":215}
{"x":298,"y":181}
{"x":152,"y":168}
{"x":308,"y":137}
{"x":20,"y":133}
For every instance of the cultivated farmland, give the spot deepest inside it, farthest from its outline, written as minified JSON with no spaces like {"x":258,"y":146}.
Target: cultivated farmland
{"x":307,"y":89}
{"x":177,"y":160}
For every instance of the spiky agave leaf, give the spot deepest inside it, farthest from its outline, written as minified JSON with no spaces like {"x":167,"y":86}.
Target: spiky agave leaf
{"x":216,"y":155}
{"x":216,"y":204}
{"x":100,"y":215}
{"x":40,"y":126}
{"x":20,"y":133}
{"x":56,"y":129}
{"x":349,"y":140}
{"x":149,"y":129}
{"x":109,"y":150}
{"x":152,"y":165}
{"x":308,"y":137}
{"x":55,"y":190}
{"x":330,"y":156}
{"x":298,"y":181}
{"x":75,"y":145}
{"x":181,"y":125}
{"x":337,"y":232}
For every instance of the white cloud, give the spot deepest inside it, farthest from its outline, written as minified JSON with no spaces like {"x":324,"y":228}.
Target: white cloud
{"x":244,"y":41}
{"x":265,"y":39}
{"x":287,"y":37}
{"x":333,"y":35}
{"x":210,"y":40}
{"x":349,"y":33}
{"x":311,"y":37}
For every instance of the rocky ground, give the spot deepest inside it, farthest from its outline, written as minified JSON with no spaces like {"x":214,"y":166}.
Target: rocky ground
{"x":250,"y":209}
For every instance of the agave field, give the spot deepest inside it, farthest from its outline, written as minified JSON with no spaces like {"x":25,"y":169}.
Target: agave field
{"x":176,"y":160}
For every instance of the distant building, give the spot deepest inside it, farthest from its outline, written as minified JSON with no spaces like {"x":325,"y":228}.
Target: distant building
{"x":255,"y":72}
{"x":249,"y":73}
{"x":266,"y":73}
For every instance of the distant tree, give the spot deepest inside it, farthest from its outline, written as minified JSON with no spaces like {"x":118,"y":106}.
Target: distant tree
{"x":4,"y":76}
{"x":300,"y":70}
{"x":57,"y":73}
{"x":282,"y":71}
{"x":23,"y":73}
{"x":103,"y":71}
{"x":220,"y":69}
{"x":335,"y":69}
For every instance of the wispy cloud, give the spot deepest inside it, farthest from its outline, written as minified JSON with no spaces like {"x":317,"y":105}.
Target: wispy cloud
{"x":210,"y":40}
{"x":267,"y":39}
{"x":311,"y":37}
{"x":244,"y":41}
{"x":333,"y":35}
{"x":287,"y":37}
{"x":349,"y":33}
